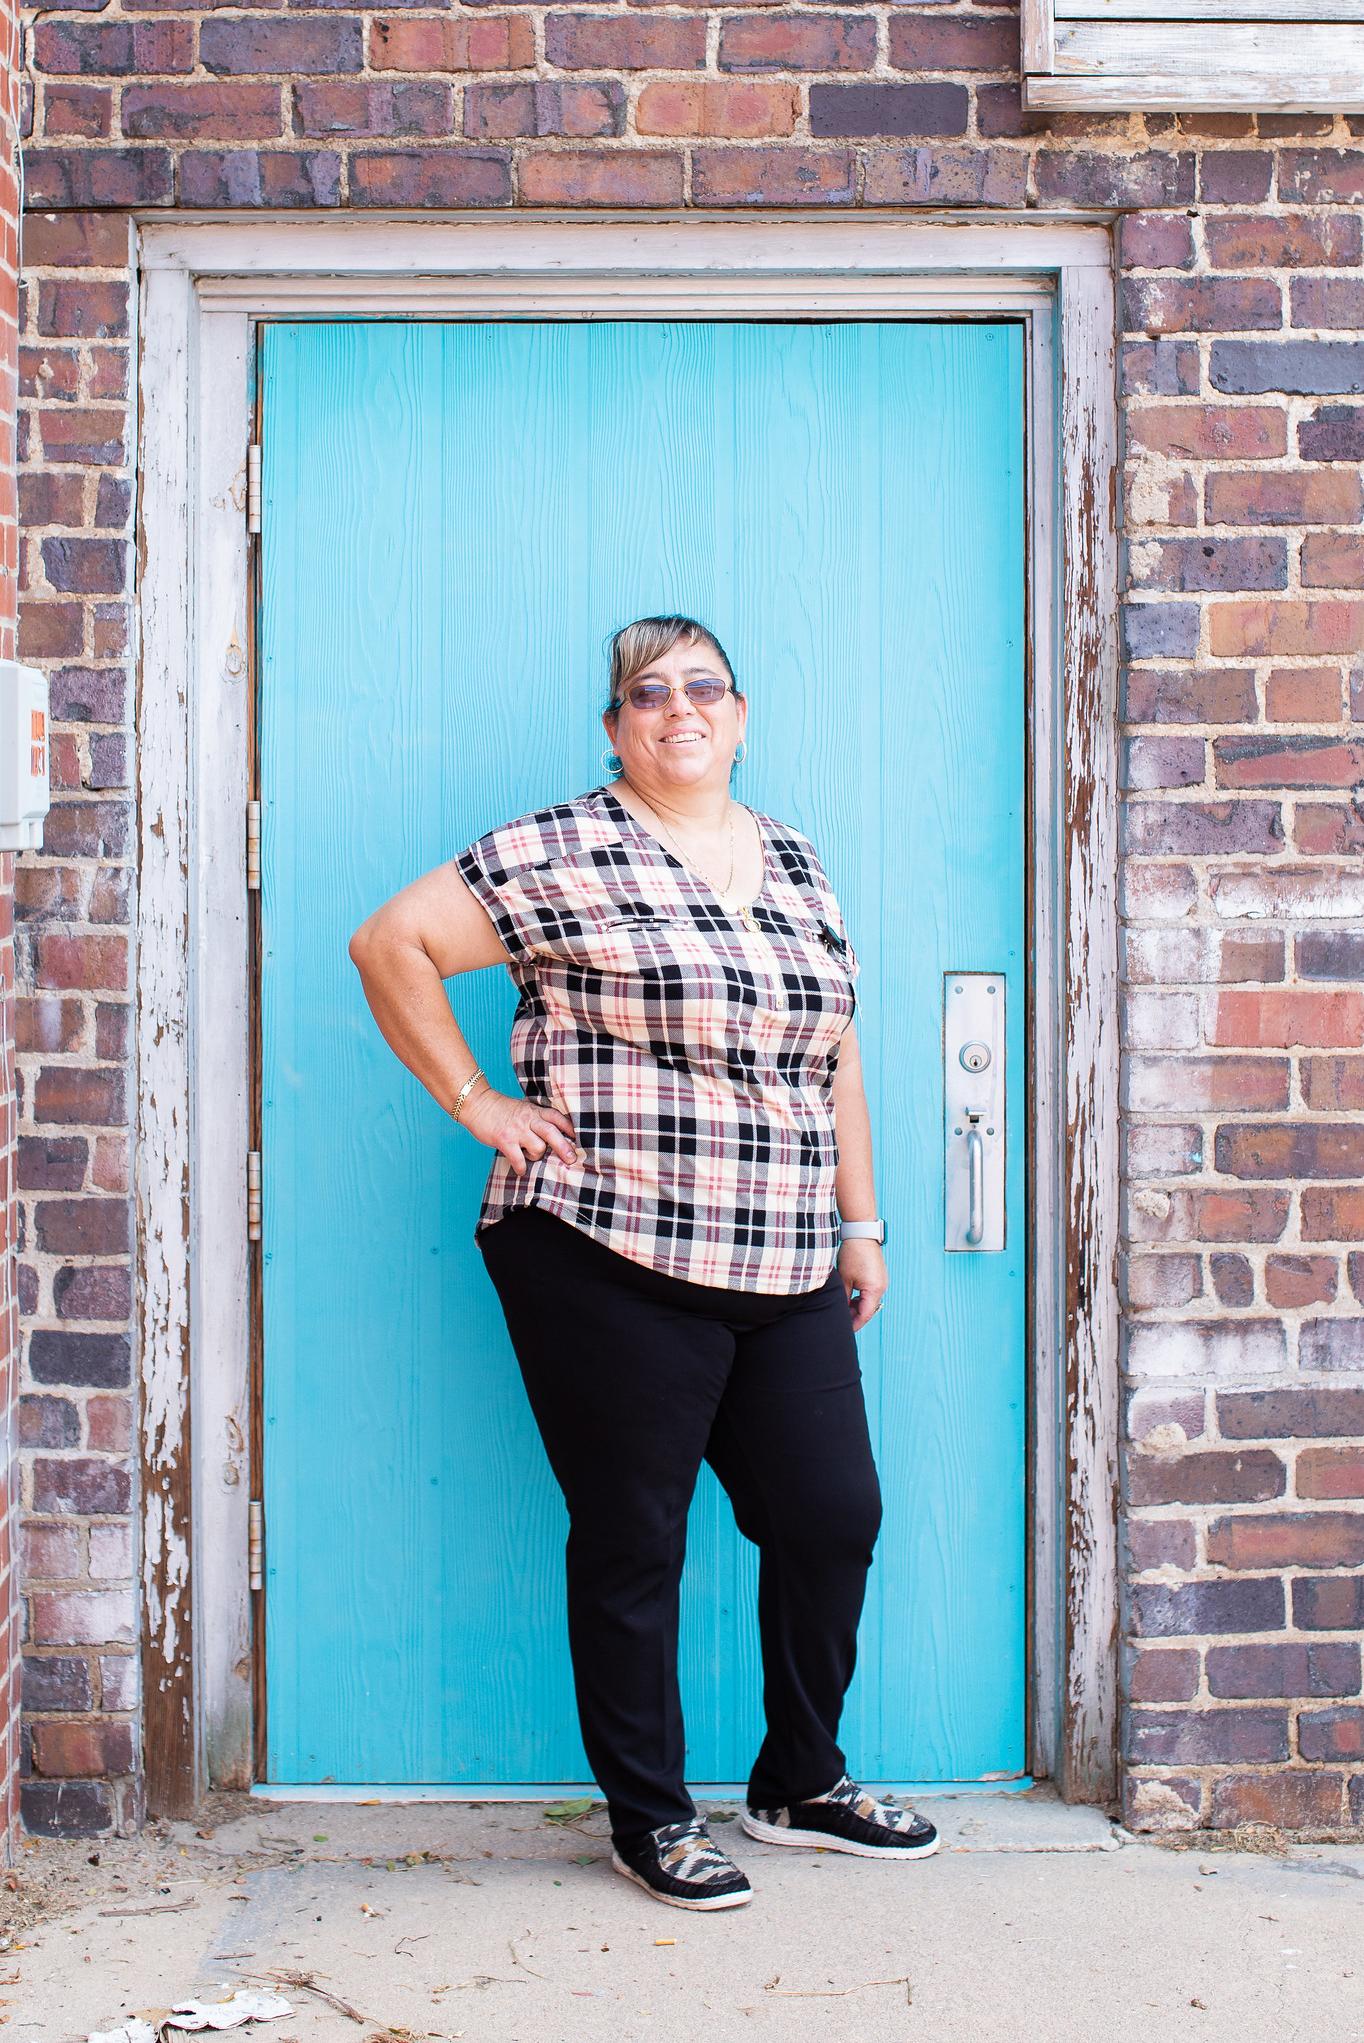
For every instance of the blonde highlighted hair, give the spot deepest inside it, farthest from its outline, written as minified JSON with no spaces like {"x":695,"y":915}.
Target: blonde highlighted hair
{"x":636,"y":646}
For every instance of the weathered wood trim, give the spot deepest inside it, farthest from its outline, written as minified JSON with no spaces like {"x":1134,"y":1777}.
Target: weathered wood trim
{"x":221,"y":1119}
{"x":1046,"y":935}
{"x":1222,"y":91}
{"x":1209,"y":12}
{"x":204,"y":285}
{"x":1037,"y":26}
{"x":162,"y":1188}
{"x":1088,"y":484}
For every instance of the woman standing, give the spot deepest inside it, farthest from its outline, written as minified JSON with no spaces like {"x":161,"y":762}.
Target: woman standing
{"x":681,"y":1226}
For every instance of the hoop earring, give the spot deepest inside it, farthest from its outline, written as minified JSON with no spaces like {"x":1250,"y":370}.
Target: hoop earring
{"x":739,"y":757}
{"x":610,"y":762}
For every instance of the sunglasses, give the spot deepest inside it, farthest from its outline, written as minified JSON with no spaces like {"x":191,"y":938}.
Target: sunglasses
{"x":657,"y":694}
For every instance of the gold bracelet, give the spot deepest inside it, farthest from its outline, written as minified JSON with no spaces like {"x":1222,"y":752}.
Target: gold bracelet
{"x":458,"y":1108}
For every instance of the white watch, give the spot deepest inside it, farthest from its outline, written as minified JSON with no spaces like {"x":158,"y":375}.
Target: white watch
{"x":864,"y":1230}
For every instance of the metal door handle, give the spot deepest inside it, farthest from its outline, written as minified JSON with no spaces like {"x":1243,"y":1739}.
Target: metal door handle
{"x":974,"y":1110}
{"x":975,"y":1168}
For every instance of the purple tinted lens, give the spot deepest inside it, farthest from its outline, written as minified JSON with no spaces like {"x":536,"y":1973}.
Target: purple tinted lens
{"x":705,"y":691}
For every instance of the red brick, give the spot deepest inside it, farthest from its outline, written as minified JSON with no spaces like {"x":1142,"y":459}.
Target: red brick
{"x":1316,"y":496}
{"x":1330,"y":1471}
{"x":494,"y":42}
{"x":1292,"y":1281}
{"x":595,"y":177}
{"x":1328,"y":829}
{"x":50,"y":631}
{"x":619,"y":42}
{"x":497,"y":109}
{"x":795,"y":42}
{"x":1205,"y":1084}
{"x":1262,"y":241}
{"x":85,"y":178}
{"x":260,"y":177}
{"x":1286,"y":1019}
{"x":75,"y":240}
{"x":1234,"y":177}
{"x":240,"y":46}
{"x":1333,"y":1212}
{"x":946,"y":41}
{"x":1332,"y":560}
{"x":1321,"y":176}
{"x":1307,"y":1539}
{"x":1331,"y":1343}
{"x":1200,"y":304}
{"x":1212,"y":432}
{"x":1287,"y":1414}
{"x":1246,"y":1475}
{"x":86,"y":111}
{"x":1243,"y":628}
{"x":1289,"y":1799}
{"x":64,"y":1749}
{"x":1162,"y":1280}
{"x":1329,"y":1603}
{"x":1164,"y":1675}
{"x":1328,"y":302}
{"x":94,"y":437}
{"x":1303,"y":695}
{"x":1187,"y":695}
{"x":1233,"y":1279}
{"x":711,"y":106}
{"x":1331,"y":1734}
{"x":203,"y":111}
{"x":431,"y":177}
{"x":1155,"y":241}
{"x":790,"y":176}
{"x":1333,"y":1082}
{"x":1295,"y":1667}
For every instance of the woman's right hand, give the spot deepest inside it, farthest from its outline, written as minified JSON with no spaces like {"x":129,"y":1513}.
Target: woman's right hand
{"x":519,"y":1129}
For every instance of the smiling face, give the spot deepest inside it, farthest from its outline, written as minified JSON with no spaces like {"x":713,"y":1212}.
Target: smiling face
{"x":685,"y":744}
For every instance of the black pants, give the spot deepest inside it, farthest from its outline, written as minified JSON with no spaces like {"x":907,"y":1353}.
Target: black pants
{"x":634,"y":1377}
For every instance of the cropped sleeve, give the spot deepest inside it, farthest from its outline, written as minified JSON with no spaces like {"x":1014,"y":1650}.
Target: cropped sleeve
{"x":502,"y":871}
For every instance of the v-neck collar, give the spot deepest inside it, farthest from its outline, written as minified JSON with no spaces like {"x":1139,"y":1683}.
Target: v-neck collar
{"x":619,"y":812}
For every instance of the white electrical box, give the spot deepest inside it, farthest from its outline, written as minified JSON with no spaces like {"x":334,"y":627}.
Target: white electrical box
{"x":25,"y":783}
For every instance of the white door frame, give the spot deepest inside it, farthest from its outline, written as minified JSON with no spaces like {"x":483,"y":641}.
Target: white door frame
{"x":205,"y":283}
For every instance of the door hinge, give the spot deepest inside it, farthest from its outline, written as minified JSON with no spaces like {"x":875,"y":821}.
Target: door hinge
{"x":253,"y":847}
{"x":255,"y":1543}
{"x":253,"y":1195}
{"x":253,"y":487}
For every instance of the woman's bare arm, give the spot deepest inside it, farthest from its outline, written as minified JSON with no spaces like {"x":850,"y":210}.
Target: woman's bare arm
{"x":861,"y":1264}
{"x":430,"y":931}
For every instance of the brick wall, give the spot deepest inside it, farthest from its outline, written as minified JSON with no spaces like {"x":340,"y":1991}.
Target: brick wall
{"x":9,"y":1303}
{"x":1242,"y":293}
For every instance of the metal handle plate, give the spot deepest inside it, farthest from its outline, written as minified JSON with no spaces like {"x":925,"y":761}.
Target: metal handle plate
{"x":974,"y":1111}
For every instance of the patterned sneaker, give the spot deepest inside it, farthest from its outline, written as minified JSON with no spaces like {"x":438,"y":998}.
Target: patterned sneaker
{"x":681,"y":1863}
{"x":847,"y":1818}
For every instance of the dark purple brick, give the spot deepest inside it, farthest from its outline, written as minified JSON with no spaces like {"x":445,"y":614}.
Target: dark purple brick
{"x":261,"y":177}
{"x":67,"y":1808}
{"x":1190,"y":1609}
{"x":58,"y":1681}
{"x":315,"y":45}
{"x":80,"y":1484}
{"x":929,"y":109}
{"x":48,"y":1422}
{"x":1303,"y":368}
{"x":95,"y":1361}
{"x":1335,"y":432}
{"x":1314,"y":1667}
{"x":1160,"y":630}
{"x":1205,"y":1736}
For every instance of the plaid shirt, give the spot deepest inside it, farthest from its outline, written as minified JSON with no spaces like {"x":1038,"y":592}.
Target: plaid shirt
{"x":694,"y":1056}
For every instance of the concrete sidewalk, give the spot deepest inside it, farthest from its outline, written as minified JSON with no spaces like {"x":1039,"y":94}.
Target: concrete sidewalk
{"x":489,"y":1922}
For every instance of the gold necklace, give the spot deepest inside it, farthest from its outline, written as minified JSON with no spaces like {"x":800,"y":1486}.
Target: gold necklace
{"x":742,"y":908}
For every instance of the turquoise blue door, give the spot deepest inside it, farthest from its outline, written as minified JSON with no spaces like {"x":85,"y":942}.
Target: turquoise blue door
{"x":455,"y":517}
